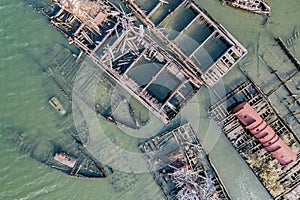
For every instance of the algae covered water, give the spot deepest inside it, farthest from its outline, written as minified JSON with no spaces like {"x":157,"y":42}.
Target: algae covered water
{"x":27,"y":40}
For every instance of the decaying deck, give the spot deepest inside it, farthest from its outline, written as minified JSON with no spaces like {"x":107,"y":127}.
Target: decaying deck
{"x":128,"y":54}
{"x":139,"y":60}
{"x":185,"y":171}
{"x":206,"y":48}
{"x":280,"y":181}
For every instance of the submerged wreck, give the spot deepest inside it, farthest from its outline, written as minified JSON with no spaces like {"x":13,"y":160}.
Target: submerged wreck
{"x":272,"y":156}
{"x":75,"y":161}
{"x":55,"y":103}
{"x":255,"y":6}
{"x":184,"y":170}
{"x":137,"y":58}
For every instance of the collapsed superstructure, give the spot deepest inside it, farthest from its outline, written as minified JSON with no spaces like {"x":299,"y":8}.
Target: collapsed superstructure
{"x":184,"y":170}
{"x":159,"y":71}
{"x":86,"y":23}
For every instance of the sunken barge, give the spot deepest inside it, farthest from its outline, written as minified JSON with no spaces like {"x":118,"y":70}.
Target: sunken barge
{"x":157,"y":69}
{"x":74,"y":162}
{"x":180,"y":166}
{"x":274,"y":160}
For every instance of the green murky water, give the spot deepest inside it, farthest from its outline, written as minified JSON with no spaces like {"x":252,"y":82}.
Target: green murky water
{"x":25,"y":38}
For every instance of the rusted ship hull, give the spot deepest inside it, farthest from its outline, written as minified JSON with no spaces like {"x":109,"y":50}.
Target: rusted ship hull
{"x":83,"y":165}
{"x":280,"y":181}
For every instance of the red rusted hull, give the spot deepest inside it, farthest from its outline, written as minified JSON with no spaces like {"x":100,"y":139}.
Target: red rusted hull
{"x":264,"y":133}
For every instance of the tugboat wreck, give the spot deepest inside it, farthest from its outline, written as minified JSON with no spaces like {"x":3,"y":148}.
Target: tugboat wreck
{"x":184,"y":170}
{"x":160,"y":71}
{"x":255,"y":6}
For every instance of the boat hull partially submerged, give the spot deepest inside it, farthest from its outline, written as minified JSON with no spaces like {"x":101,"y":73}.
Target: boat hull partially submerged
{"x":255,"y":6}
{"x":74,"y":161}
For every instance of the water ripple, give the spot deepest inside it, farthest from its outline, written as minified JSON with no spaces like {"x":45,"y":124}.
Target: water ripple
{"x":44,"y":190}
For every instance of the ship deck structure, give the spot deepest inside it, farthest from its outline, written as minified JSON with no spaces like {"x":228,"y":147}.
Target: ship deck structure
{"x":205,"y":46}
{"x":281,"y":181}
{"x":128,"y":52}
{"x":184,"y":170}
{"x":163,"y":64}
